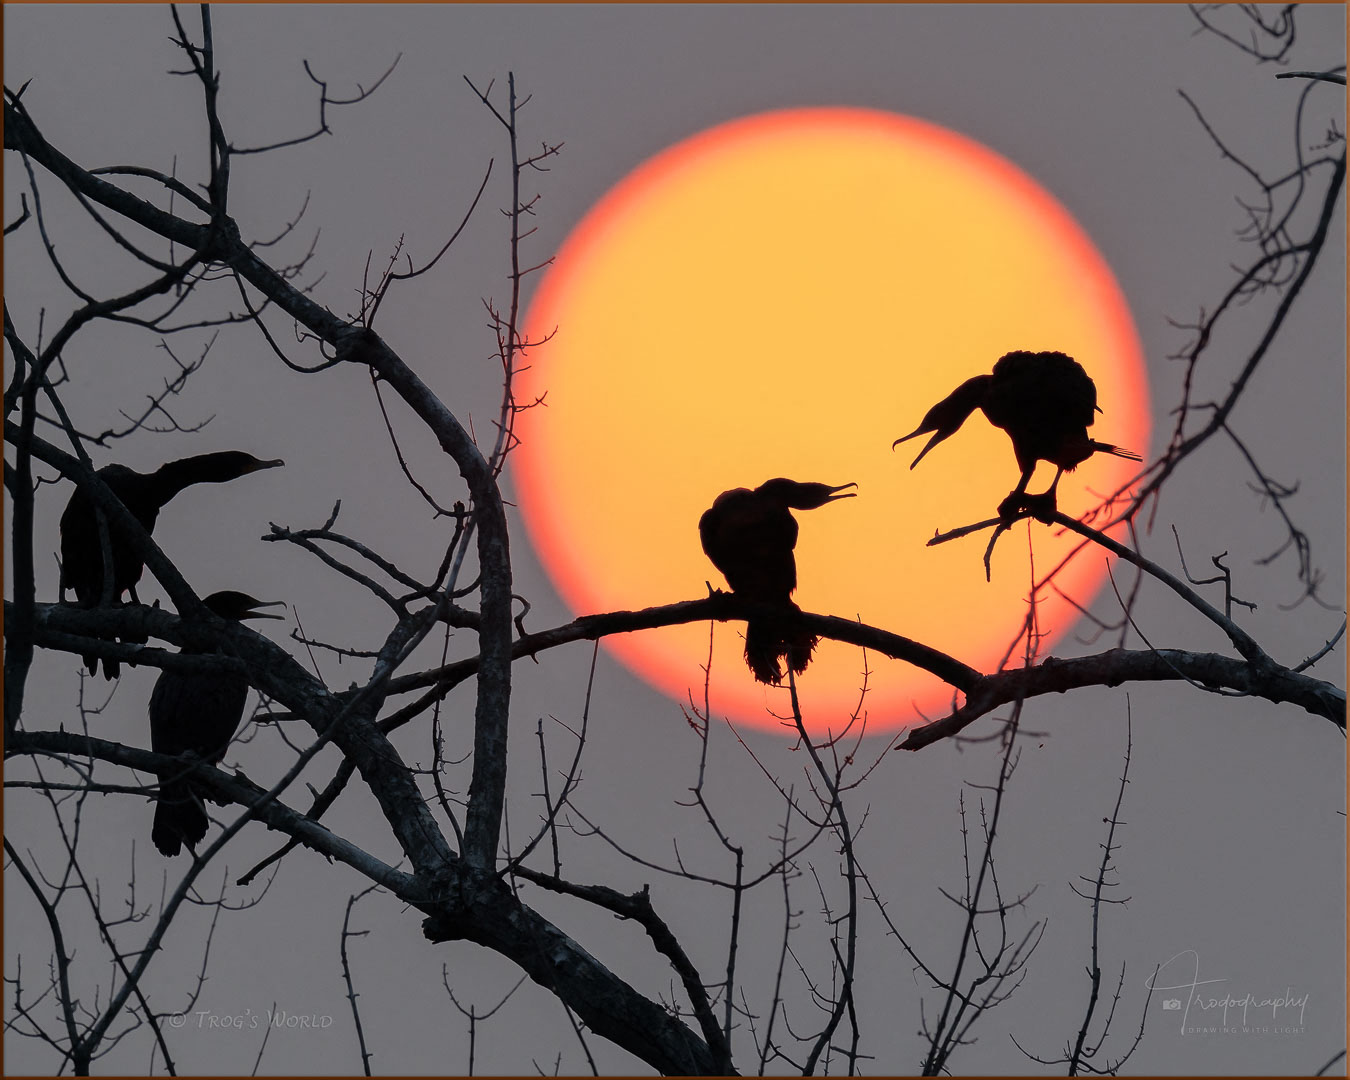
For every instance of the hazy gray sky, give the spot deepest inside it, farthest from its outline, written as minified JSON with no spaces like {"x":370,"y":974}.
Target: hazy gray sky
{"x":1233,"y":849}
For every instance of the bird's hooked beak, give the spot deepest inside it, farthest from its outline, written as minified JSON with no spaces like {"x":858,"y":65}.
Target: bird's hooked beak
{"x":812,"y":496}
{"x":803,"y":496}
{"x":845,"y":495}
{"x":937,"y":438}
{"x":251,"y":614}
{"x":258,"y":466}
{"x":944,"y":418}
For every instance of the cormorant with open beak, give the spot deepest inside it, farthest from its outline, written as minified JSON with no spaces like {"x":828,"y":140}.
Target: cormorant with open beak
{"x":144,"y":494}
{"x":1045,"y":401}
{"x":196,"y":712}
{"x":749,"y":536}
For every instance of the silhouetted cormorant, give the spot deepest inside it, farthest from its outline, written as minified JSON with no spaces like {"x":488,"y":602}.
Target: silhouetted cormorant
{"x":1045,"y":402}
{"x":749,"y":536}
{"x":143,"y":494}
{"x":197,"y":712}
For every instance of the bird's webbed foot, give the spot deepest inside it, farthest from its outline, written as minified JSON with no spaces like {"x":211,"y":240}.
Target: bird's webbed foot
{"x":1042,"y":507}
{"x":1017,"y":505}
{"x":1010,"y":509}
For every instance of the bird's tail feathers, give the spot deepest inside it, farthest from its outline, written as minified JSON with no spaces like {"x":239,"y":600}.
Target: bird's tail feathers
{"x":800,"y":646}
{"x":1118,"y":451}
{"x":179,"y":819}
{"x":769,"y":641}
{"x":762,"y":653}
{"x":113,"y":668}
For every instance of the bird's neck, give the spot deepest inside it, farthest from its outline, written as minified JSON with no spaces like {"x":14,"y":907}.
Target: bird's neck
{"x":171,"y":478}
{"x":966,"y":398}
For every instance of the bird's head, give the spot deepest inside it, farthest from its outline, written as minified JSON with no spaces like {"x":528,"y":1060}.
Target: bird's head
{"x":947,"y":416}
{"x":247,"y":463}
{"x":803,"y":496}
{"x":237,"y":606}
{"x":214,"y":468}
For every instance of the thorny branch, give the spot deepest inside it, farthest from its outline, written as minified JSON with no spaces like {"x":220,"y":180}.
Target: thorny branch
{"x":352,"y":995}
{"x":1080,"y":1055}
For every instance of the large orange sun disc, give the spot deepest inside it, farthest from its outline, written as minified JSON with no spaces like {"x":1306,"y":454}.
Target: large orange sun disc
{"x":785,"y":295}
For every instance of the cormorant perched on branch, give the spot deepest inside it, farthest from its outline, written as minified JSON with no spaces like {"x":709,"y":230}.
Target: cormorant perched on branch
{"x":197,"y":712}
{"x":749,"y":536}
{"x":144,"y":494}
{"x":1045,"y":402}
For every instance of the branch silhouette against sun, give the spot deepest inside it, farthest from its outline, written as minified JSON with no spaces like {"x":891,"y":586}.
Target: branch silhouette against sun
{"x":375,"y":712}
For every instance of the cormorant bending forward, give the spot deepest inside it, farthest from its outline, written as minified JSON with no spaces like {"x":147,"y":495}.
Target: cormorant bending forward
{"x":1045,"y":401}
{"x":144,"y":494}
{"x":749,"y":536}
{"x":197,"y":712}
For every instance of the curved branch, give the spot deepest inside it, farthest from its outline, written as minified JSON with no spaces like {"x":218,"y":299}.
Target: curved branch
{"x":483,"y":909}
{"x":1317,"y":76}
{"x":719,"y":606}
{"x":1116,"y":666}
{"x":1242,"y":641}
{"x":984,"y":692}
{"x":1268,"y":680}
{"x":638,"y":907}
{"x":1312,"y":248}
